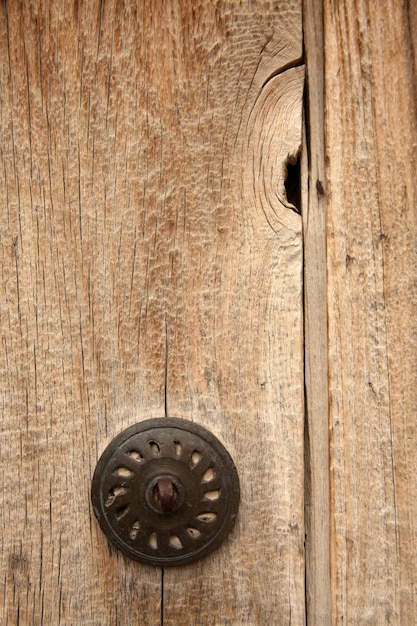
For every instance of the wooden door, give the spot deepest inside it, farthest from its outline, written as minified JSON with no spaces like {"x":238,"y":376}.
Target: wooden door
{"x":208,"y":211}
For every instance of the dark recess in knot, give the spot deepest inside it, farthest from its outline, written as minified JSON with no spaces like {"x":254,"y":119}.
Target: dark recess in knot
{"x":293,"y":182}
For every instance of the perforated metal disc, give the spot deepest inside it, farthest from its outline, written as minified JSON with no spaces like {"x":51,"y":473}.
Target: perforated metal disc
{"x":204,"y":492}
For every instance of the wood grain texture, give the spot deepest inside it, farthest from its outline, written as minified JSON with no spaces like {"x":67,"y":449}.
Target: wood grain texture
{"x":70,"y":313}
{"x":151,"y":265}
{"x":317,"y":513}
{"x":371,"y":138}
{"x":234,"y":359}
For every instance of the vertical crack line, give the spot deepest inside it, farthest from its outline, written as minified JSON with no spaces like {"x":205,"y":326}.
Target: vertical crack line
{"x":166,"y":369}
{"x":162,"y":596}
{"x":304,"y":174}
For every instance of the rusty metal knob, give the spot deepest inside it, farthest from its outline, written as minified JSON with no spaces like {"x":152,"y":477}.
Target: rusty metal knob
{"x":166,"y":492}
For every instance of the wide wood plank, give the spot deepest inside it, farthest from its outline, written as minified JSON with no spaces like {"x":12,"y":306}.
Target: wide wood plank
{"x":151,"y":264}
{"x":371,"y":138}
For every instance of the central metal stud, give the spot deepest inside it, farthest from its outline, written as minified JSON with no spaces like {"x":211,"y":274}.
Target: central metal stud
{"x":166,"y":494}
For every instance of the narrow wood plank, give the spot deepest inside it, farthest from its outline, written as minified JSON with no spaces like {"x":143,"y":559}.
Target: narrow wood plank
{"x":371,"y":138}
{"x":83,"y":343}
{"x":315,"y":326}
{"x":234,"y":326}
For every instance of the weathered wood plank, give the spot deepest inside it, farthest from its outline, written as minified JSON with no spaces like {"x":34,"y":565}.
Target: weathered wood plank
{"x":150,"y":263}
{"x":315,"y":327}
{"x":371,"y":138}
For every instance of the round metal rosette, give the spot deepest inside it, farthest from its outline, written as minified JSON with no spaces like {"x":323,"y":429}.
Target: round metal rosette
{"x":166,"y":492}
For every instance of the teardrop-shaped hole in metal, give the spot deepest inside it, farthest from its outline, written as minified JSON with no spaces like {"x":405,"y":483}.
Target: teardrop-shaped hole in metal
{"x":121,"y":511}
{"x":123,"y":472}
{"x":135,"y":454}
{"x":134,"y":529}
{"x":212,"y":495}
{"x":175,"y":542}
{"x":208,"y":475}
{"x":113,"y":494}
{"x":194,"y":533}
{"x":155,"y":447}
{"x":195,"y":458}
{"x":207,"y":516}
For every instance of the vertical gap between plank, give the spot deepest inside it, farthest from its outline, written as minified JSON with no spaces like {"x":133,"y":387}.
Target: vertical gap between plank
{"x":166,"y":369}
{"x":317,"y":490}
{"x":162,"y":596}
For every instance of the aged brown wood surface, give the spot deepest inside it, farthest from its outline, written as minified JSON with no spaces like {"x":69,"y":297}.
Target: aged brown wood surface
{"x":317,"y":513}
{"x":371,"y":138}
{"x":151,"y":265}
